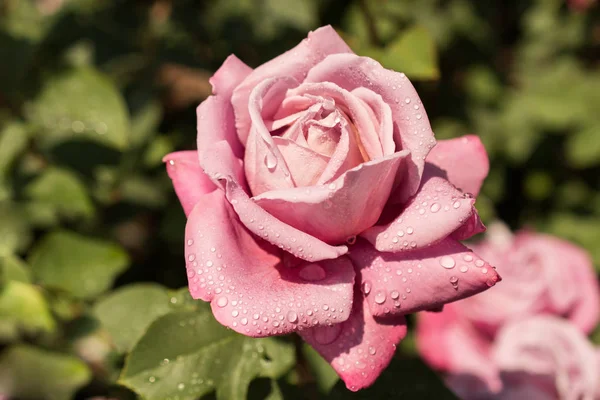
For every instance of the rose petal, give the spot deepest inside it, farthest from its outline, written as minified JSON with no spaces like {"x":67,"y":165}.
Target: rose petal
{"x":464,"y":160}
{"x":263,"y":163}
{"x":572,"y":284}
{"x":449,"y":343}
{"x":363,"y":126}
{"x":219,"y":163}
{"x":294,"y":63}
{"x":437,"y":210}
{"x":342,"y":209}
{"x":215,"y":118}
{"x":383,"y":114}
{"x":360,"y":348}
{"x":472,"y":227}
{"x":546,"y":345}
{"x":411,"y":126}
{"x":401,"y":283}
{"x":305,"y":165}
{"x":244,"y":279}
{"x":189,"y":180}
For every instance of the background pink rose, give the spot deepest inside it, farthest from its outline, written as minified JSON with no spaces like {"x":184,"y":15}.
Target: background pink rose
{"x":472,"y":339}
{"x":543,"y":275}
{"x":315,"y":206}
{"x":543,"y":357}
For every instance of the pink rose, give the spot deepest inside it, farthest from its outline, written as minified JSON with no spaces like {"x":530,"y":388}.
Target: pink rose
{"x":542,"y":275}
{"x":311,"y":207}
{"x":542,"y":358}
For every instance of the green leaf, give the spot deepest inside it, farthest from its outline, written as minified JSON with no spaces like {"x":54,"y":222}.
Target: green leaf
{"x":23,"y":308}
{"x":323,"y":373}
{"x":13,"y":268}
{"x":14,"y":231}
{"x":583,"y":147}
{"x":404,"y":378}
{"x":13,"y":140}
{"x":81,"y":104}
{"x":187,"y":354}
{"x":126,"y":313}
{"x":413,"y":53}
{"x":61,"y":191}
{"x":85,"y":267}
{"x":39,"y":374}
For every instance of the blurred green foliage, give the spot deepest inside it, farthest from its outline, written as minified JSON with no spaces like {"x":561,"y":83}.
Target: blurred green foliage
{"x":93,"y":93}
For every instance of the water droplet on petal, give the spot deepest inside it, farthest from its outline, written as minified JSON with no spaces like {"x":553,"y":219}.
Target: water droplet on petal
{"x":464,"y":268}
{"x":479,"y":263}
{"x":453,"y":279}
{"x":380,"y":297}
{"x":366,"y":287}
{"x":372,"y":351}
{"x":395,"y":295}
{"x":435,"y":207}
{"x":447,"y":262}
{"x":468,"y":257}
{"x":292,"y":317}
{"x":456,"y":204}
{"x":270,"y":161}
{"x":222,"y":301}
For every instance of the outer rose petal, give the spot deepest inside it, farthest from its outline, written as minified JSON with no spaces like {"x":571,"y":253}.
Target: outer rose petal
{"x":215,"y":118}
{"x":244,"y":279}
{"x":437,"y":210}
{"x":342,"y":209}
{"x":472,"y":227}
{"x":189,"y":180}
{"x":360,"y":348}
{"x":450,"y":343}
{"x":573,"y":277}
{"x":411,"y":126}
{"x":401,"y":283}
{"x":550,"y":346}
{"x":294,"y":63}
{"x":464,"y":160}
{"x":219,"y":163}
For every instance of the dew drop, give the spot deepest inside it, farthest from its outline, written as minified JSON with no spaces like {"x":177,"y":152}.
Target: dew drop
{"x":468,"y":257}
{"x":222,"y":301}
{"x":270,"y":161}
{"x":235,"y":313}
{"x":435,"y":207}
{"x":380,"y":297}
{"x":453,"y":280}
{"x":447,"y":262}
{"x":372,"y":351}
{"x":456,"y":204}
{"x":244,"y":321}
{"x":464,"y":268}
{"x":292,"y":317}
{"x":410,"y":230}
{"x":366,"y":287}
{"x":190,"y":242}
{"x":407,"y":100}
{"x":400,"y":233}
{"x":395,"y":295}
{"x":479,"y":263}
{"x":484,"y":270}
